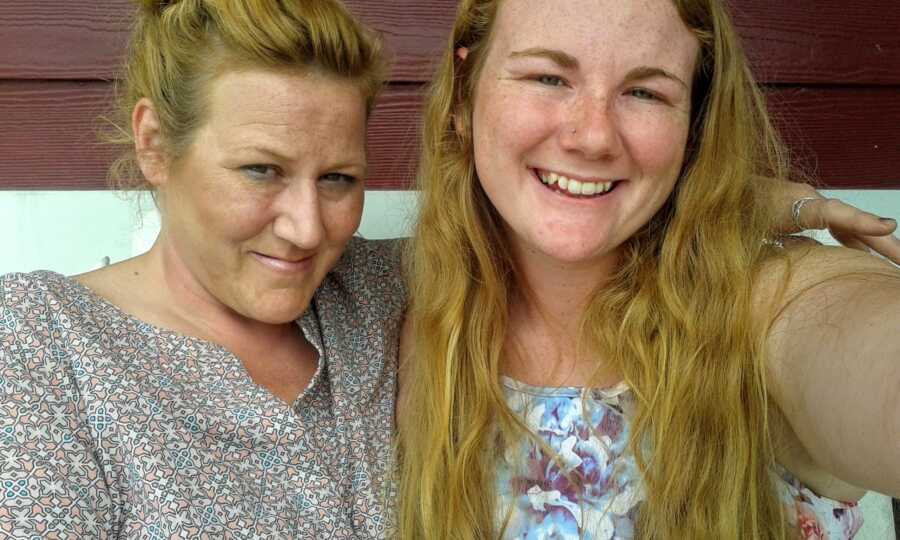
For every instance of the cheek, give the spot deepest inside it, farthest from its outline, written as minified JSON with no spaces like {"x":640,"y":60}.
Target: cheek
{"x":658,"y":145}
{"x":506,"y":123}
{"x":342,"y":217}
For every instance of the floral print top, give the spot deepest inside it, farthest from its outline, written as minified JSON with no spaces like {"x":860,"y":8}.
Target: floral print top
{"x":538,"y":502}
{"x":113,"y":428}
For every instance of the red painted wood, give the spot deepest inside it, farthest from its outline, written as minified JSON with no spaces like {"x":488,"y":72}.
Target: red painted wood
{"x":846,"y":137}
{"x":801,"y":41}
{"x":48,"y":136}
{"x":849,"y":136}
{"x":62,"y":39}
{"x":821,"y":42}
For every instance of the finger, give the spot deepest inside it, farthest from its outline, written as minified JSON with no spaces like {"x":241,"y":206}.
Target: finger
{"x":850,"y":240}
{"x":887,"y":246}
{"x":837,"y":215}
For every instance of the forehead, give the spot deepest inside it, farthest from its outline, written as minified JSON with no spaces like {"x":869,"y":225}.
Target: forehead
{"x":646,"y":31}
{"x":286,"y":103}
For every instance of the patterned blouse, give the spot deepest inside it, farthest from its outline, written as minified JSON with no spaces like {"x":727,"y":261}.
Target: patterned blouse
{"x":113,"y":428}
{"x":540,"y":503}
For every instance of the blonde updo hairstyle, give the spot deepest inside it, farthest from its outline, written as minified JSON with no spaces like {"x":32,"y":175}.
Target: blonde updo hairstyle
{"x":675,"y":321}
{"x":177,"y":47}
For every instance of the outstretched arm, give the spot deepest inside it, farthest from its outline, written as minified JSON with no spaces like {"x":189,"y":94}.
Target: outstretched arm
{"x":834,"y":352}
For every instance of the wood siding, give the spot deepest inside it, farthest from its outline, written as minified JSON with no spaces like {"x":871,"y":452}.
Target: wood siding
{"x":831,"y":68}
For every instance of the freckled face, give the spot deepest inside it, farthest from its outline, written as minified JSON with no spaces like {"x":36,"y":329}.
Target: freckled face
{"x":270,"y":191}
{"x":580,"y":121}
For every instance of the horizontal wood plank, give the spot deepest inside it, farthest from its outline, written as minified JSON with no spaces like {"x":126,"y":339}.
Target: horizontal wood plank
{"x":801,"y":41}
{"x":848,"y":137}
{"x":820,"y":42}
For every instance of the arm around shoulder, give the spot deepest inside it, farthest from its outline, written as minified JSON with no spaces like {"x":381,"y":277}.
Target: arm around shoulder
{"x":834,"y":359}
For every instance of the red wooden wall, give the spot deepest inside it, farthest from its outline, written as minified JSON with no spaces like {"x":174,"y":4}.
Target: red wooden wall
{"x":832,"y":68}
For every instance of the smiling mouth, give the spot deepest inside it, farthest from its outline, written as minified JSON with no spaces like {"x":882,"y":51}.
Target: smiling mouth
{"x":575,"y":188}
{"x":282,"y":265}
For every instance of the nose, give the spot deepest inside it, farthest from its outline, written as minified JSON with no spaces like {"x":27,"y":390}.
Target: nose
{"x":592,"y":128}
{"x":298,"y":215}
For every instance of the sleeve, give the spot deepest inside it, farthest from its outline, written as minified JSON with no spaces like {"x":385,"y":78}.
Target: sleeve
{"x":50,"y":482}
{"x":817,"y":517}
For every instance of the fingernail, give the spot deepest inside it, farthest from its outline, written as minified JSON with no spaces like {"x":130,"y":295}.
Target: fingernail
{"x":887,"y":220}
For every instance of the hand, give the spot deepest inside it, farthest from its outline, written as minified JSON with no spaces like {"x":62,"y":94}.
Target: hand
{"x":849,"y":225}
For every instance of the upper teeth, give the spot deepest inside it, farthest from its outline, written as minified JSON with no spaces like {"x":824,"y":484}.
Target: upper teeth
{"x":575,"y":187}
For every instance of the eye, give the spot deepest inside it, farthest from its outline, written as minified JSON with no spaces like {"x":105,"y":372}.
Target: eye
{"x":338,"y":178}
{"x":260,"y":171}
{"x":644,"y":94}
{"x":550,"y":80}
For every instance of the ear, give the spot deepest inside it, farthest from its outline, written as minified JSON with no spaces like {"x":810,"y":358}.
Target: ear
{"x":461,"y":54}
{"x":148,"y":142}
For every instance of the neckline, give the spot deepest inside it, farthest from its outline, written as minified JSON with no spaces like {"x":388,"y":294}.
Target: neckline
{"x":610,"y":392}
{"x":165,"y":334}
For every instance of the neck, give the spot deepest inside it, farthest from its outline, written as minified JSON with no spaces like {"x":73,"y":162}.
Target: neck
{"x":545,"y":320}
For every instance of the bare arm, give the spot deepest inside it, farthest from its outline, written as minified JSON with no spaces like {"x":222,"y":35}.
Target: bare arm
{"x":834,"y":351}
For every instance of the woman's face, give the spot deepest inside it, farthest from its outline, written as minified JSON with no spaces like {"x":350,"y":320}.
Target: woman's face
{"x":270,"y":191}
{"x":580,"y":121}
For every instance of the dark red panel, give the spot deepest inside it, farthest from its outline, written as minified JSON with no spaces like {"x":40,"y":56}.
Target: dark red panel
{"x":800,"y":41}
{"x":48,"y":136}
{"x":846,"y":137}
{"x":65,"y":39}
{"x":850,"y":137}
{"x":816,"y":41}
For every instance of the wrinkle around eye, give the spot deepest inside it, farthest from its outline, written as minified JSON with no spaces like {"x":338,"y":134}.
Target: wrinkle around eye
{"x":336,"y":178}
{"x":260,"y":171}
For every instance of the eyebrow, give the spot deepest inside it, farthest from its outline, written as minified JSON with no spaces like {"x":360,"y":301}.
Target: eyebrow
{"x":354,"y":161}
{"x":564,"y":60}
{"x":647,"y":72}
{"x":567,"y":61}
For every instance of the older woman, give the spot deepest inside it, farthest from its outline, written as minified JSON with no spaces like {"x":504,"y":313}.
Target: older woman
{"x":607,"y":341}
{"x":236,"y":381}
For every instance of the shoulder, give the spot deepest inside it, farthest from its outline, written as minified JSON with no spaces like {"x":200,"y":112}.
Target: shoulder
{"x":28,"y":298}
{"x":371,"y":257}
{"x":812,"y":293}
{"x":35,"y":315}
{"x":372,"y":268}
{"x":808,"y":277}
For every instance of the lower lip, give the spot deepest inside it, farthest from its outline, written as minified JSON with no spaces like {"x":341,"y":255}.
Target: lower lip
{"x":555,"y":189}
{"x":283,"y":266}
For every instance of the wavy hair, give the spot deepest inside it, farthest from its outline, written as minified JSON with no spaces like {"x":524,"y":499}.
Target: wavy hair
{"x":675,"y":319}
{"x":177,"y":47}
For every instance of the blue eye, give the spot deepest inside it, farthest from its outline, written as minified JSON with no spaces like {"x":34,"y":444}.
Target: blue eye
{"x":550,"y":80}
{"x":338,"y":178}
{"x":643,"y":93}
{"x":260,"y":172}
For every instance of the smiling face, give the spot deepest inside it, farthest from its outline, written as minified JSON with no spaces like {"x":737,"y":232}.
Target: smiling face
{"x":580,"y":121}
{"x":269,"y":193}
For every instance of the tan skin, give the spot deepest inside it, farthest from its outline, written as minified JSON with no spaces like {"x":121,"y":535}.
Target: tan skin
{"x":835,"y":418}
{"x":254,"y":215}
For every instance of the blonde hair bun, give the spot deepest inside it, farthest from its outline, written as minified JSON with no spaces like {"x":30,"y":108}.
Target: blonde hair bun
{"x":155,"y":7}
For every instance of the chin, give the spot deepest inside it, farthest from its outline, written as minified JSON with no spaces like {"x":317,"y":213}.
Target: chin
{"x":574,"y":254}
{"x":276,"y":310}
